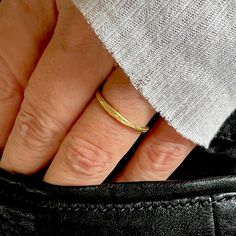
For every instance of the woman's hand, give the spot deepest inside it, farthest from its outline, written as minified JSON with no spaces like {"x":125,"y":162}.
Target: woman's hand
{"x":51,"y":64}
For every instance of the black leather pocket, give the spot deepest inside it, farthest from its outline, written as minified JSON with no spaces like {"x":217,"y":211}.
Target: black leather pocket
{"x":198,"y":207}
{"x":198,"y":199}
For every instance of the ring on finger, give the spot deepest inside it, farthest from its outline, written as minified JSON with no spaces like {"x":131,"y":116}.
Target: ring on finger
{"x":116,"y":115}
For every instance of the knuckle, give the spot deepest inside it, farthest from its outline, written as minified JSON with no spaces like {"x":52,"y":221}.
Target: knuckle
{"x":163,"y":156}
{"x":84,"y":157}
{"x":35,"y":129}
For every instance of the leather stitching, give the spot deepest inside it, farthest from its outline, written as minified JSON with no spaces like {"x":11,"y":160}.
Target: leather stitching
{"x":140,"y":206}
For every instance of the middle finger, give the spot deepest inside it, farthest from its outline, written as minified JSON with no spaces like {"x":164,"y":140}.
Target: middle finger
{"x":68,"y":73}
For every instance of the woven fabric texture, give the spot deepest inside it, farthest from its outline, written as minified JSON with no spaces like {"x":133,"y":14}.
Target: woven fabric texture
{"x":180,"y":54}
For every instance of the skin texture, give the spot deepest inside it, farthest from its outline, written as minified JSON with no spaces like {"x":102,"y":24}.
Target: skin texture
{"x":49,"y":116}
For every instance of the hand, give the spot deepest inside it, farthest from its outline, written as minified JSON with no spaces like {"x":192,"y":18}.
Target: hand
{"x":51,"y":65}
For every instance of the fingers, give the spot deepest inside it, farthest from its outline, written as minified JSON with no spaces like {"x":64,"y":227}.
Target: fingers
{"x":158,"y":156}
{"x":97,"y":142}
{"x":58,"y":95}
{"x":66,"y":77}
{"x":24,"y":35}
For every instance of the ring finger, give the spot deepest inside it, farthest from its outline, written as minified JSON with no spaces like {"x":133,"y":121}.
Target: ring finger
{"x":97,"y":142}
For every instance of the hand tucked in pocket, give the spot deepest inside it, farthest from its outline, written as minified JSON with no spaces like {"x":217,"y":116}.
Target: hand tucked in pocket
{"x":51,"y":65}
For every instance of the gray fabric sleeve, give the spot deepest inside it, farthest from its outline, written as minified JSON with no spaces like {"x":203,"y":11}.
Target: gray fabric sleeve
{"x":180,"y":54}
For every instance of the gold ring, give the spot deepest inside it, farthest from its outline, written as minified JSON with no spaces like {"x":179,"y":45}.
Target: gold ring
{"x":115,"y":114}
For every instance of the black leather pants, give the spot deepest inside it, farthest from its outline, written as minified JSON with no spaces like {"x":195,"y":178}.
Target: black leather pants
{"x":198,"y":199}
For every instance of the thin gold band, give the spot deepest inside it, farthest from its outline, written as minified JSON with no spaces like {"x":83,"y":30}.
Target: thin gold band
{"x":115,"y":114}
